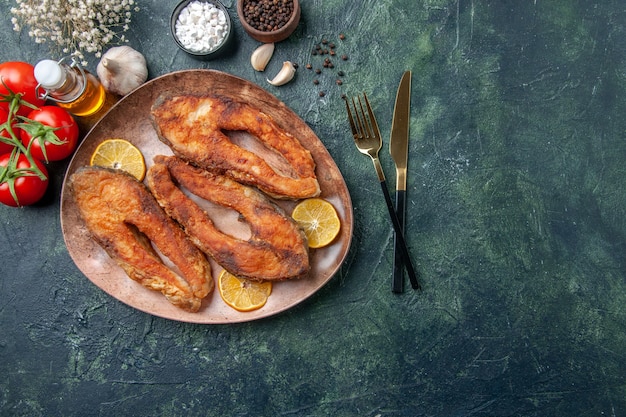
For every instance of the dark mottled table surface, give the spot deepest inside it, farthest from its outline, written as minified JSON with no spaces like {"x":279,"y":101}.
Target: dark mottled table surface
{"x":516,"y":221}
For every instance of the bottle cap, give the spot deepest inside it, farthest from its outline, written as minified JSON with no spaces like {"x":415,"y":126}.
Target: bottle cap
{"x":49,"y":74}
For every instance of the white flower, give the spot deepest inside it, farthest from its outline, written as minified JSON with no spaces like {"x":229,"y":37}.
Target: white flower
{"x":74,"y":26}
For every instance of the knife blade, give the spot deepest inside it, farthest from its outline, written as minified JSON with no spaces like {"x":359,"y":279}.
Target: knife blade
{"x":399,"y":149}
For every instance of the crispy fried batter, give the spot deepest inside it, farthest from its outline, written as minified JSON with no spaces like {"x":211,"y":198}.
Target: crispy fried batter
{"x":277,"y":248}
{"x":195,"y":128}
{"x":123,"y":217}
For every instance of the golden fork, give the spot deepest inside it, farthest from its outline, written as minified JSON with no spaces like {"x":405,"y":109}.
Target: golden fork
{"x":368,"y":141}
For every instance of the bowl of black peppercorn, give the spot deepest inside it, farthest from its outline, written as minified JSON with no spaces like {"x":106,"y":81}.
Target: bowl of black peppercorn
{"x":269,"y":20}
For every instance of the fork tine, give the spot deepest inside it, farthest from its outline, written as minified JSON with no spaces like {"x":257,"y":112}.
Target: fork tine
{"x":359,"y":120}
{"x":373,"y":122}
{"x":363,"y":122}
{"x":351,"y":119}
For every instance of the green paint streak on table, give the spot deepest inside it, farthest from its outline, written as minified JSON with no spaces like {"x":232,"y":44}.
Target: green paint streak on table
{"x":516,"y":209}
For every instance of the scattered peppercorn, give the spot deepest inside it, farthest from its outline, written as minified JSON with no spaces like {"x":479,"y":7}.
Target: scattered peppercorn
{"x":326,"y":47}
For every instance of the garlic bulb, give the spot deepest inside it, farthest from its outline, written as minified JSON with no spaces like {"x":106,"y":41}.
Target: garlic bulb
{"x":286,"y":74}
{"x":261,"y":56}
{"x":122,"y":69}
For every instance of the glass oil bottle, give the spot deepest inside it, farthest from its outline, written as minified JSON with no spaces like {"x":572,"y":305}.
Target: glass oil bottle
{"x":70,"y":86}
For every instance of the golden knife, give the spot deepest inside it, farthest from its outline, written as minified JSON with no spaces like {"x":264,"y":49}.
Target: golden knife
{"x":399,"y":149}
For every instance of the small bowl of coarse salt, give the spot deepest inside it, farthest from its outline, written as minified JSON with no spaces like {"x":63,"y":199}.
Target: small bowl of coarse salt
{"x":202,"y":28}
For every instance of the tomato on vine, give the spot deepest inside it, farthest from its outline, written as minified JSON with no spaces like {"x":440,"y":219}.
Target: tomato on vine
{"x":23,"y":178}
{"x":21,"y":184}
{"x":50,"y":133}
{"x":19,"y":78}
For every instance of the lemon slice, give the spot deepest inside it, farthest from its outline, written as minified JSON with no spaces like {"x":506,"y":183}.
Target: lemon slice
{"x":120,"y":154}
{"x":319,"y":220}
{"x":241,"y":293}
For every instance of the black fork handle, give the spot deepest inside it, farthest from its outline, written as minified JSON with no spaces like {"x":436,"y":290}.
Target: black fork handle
{"x":400,"y":238}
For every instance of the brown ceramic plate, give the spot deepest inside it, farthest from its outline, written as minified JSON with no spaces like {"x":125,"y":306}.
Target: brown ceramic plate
{"x":130,"y":119}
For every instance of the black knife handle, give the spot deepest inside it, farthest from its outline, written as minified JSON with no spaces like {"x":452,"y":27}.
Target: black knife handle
{"x":401,"y":243}
{"x":398,"y":263}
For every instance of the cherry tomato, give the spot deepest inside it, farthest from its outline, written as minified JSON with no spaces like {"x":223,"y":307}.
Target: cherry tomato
{"x":6,"y":147}
{"x":29,"y":188}
{"x":19,"y":77}
{"x":52,"y":122}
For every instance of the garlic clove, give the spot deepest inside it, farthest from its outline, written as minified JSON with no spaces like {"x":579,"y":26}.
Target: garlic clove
{"x":261,"y":56}
{"x":122,"y":69}
{"x":286,"y":74}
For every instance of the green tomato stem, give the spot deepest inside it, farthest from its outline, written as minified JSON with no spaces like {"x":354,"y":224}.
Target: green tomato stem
{"x":14,"y":105}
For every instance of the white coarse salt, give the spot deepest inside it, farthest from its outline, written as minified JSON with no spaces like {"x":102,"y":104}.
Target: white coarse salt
{"x":201,"y":27}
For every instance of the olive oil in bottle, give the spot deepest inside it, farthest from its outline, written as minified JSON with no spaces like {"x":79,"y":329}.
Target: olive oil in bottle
{"x":70,"y":86}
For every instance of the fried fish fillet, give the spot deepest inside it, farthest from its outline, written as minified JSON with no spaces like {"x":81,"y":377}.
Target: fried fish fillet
{"x":123,"y":217}
{"x":277,"y":248}
{"x":195,"y":129}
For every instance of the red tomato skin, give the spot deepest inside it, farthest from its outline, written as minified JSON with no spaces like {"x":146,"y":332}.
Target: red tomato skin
{"x":68,"y":132}
{"x":19,"y":77}
{"x":5,"y":147}
{"x":29,"y":189}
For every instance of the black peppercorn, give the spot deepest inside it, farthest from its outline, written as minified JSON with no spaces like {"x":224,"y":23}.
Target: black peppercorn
{"x":267,"y":15}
